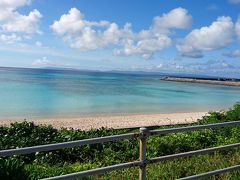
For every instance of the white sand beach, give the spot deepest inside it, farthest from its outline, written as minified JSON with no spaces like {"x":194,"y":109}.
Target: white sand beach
{"x":116,"y":121}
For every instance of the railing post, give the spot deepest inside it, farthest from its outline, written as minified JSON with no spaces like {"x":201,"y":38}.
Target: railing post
{"x":142,"y":152}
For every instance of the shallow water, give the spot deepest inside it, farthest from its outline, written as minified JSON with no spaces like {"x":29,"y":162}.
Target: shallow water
{"x":28,"y":93}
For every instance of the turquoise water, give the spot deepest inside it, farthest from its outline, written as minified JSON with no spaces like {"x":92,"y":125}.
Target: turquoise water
{"x":26,"y":93}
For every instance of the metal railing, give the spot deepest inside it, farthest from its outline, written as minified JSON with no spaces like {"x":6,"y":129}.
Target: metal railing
{"x":143,"y":160}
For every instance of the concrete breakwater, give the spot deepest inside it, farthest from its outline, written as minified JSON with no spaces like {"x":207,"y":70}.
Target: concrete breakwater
{"x":216,"y":81}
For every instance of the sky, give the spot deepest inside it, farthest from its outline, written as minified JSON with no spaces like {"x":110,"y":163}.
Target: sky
{"x":187,"y":36}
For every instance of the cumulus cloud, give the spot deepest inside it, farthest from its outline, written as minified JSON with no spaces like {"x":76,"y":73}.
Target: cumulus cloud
{"x":83,"y":34}
{"x":42,"y":62}
{"x":13,"y":22}
{"x":218,"y":35}
{"x":22,"y":23}
{"x":176,"y":18}
{"x":237,"y":27}
{"x":9,"y":38}
{"x":234,"y":54}
{"x":171,"y":65}
{"x":13,"y":4}
{"x":90,"y":35}
{"x":156,"y":38}
{"x":213,"y":65}
{"x":219,"y":65}
{"x":145,"y":47}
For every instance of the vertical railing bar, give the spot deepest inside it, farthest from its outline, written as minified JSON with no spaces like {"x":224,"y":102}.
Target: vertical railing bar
{"x":143,"y":153}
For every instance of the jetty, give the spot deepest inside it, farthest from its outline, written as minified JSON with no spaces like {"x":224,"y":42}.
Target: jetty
{"x":215,"y":81}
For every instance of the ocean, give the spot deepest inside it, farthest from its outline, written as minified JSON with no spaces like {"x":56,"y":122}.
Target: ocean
{"x":43,"y":93}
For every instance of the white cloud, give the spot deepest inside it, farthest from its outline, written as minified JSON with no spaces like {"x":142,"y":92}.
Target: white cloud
{"x":237,"y":27}
{"x":219,"y":65}
{"x":171,"y":65}
{"x":22,"y":23}
{"x":176,"y":18}
{"x":145,"y":47}
{"x":82,"y":34}
{"x":9,"y":38}
{"x":218,"y":35}
{"x":90,"y":35}
{"x":235,"y":53}
{"x":71,"y":23}
{"x":42,"y":62}
{"x":215,"y":66}
{"x":234,"y":1}
{"x":38,"y":44}
{"x":13,"y":4}
{"x":156,"y":38}
{"x":159,"y":66}
{"x":11,"y":21}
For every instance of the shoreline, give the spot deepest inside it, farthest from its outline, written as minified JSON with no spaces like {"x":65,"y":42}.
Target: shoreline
{"x":116,"y":121}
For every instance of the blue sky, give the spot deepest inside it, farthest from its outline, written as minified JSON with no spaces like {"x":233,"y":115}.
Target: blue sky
{"x":157,"y":35}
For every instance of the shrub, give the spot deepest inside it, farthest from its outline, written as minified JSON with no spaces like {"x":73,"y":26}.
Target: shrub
{"x":12,"y":169}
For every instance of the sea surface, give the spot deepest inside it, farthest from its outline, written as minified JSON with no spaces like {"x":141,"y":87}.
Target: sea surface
{"x":43,"y":93}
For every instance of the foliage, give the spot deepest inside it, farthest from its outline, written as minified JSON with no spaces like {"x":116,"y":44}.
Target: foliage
{"x":46,"y":164}
{"x":12,"y":168}
{"x":175,"y":169}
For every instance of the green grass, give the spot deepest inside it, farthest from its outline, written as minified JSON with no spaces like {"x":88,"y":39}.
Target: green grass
{"x":184,"y":167}
{"x":59,"y":162}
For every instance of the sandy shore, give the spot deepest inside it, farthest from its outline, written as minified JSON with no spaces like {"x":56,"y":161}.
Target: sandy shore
{"x":117,"y":121}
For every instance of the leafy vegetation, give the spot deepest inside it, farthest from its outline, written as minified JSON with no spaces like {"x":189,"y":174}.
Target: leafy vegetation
{"x":59,"y":162}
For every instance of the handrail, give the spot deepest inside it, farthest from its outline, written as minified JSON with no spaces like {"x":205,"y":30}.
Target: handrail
{"x":193,"y":128}
{"x":192,"y":153}
{"x":211,"y":173}
{"x":49,"y":147}
{"x":140,"y":163}
{"x":96,"y":171}
{"x":143,"y":161}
